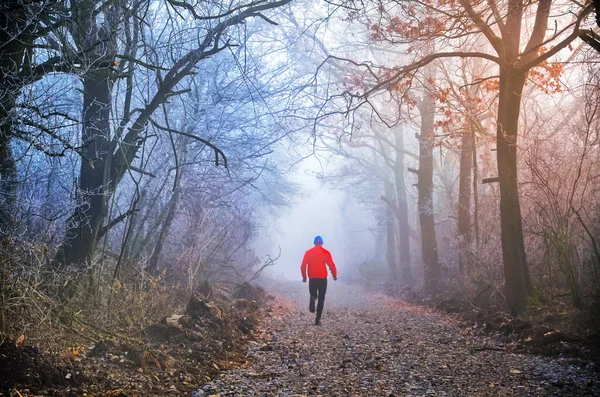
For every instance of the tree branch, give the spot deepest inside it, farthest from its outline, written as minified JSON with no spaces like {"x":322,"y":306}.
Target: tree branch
{"x":494,"y":40}
{"x":490,"y":180}
{"x":561,"y":45}
{"x":204,"y":141}
{"x":104,"y":229}
{"x":128,"y":148}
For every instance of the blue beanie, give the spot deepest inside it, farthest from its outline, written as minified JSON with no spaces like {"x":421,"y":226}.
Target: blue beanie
{"x":318,"y":240}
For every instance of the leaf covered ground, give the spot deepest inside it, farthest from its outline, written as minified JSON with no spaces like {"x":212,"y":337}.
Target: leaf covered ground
{"x":370,"y":344}
{"x":170,"y":357}
{"x":373,"y":345}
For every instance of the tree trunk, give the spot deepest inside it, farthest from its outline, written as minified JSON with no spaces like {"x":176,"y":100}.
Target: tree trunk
{"x":402,"y":208}
{"x":144,"y":228}
{"x":425,"y":193}
{"x":137,"y":227}
{"x":518,"y":283}
{"x":475,"y":191}
{"x":390,"y":232}
{"x":92,"y":192}
{"x":464,"y":199}
{"x":175,"y":197}
{"x":96,"y":37}
{"x":166,"y":227}
{"x":380,"y":242}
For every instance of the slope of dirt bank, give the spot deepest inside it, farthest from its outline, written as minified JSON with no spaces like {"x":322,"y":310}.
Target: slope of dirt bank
{"x":378,"y":346}
{"x":554,"y":328}
{"x":170,"y":357}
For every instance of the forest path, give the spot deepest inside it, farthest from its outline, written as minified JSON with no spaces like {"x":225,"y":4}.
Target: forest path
{"x":371,"y":345}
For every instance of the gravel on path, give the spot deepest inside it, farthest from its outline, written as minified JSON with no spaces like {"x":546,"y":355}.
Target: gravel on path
{"x":372,"y":345}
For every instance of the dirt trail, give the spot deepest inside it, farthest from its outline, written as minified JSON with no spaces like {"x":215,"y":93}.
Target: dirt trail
{"x":377,"y":346}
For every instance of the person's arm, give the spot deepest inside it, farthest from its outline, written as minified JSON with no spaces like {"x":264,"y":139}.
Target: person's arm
{"x":331,"y":265}
{"x":303,"y":267}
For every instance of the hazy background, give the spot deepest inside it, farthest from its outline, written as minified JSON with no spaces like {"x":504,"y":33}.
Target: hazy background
{"x":318,"y":209}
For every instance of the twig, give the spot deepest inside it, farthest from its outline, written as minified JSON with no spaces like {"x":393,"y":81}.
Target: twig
{"x":477,"y":308}
{"x":269,"y":262}
{"x":490,"y":180}
{"x":116,"y":335}
{"x":77,"y":332}
{"x":492,"y":348}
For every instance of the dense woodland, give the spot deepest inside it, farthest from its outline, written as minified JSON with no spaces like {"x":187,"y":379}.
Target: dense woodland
{"x":142,"y":142}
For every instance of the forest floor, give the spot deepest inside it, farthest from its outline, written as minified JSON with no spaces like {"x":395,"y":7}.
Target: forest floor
{"x":374,"y":345}
{"x":370,"y":344}
{"x":170,"y":357}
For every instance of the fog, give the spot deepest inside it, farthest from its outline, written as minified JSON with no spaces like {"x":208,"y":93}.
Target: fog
{"x":164,"y":144}
{"x":319,"y":209}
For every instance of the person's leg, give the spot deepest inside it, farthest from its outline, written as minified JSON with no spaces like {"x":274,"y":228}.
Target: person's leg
{"x":322,"y":289}
{"x":312,"y":289}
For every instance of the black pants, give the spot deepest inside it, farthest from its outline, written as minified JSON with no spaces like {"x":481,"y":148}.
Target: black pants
{"x":318,"y":288}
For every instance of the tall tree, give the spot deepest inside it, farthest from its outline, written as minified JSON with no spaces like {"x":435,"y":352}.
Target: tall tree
{"x":390,"y":228}
{"x":502,"y":25}
{"x":103,"y":177}
{"x":96,"y":41}
{"x":404,"y":259}
{"x":429,"y":248}
{"x":465,"y":237}
{"x":464,"y":109}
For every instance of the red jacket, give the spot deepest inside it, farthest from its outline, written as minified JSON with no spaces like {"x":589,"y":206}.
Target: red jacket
{"x":316,"y":258}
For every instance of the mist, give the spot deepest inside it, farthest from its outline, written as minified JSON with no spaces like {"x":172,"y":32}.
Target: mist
{"x":197,"y":143}
{"x":319,"y":210}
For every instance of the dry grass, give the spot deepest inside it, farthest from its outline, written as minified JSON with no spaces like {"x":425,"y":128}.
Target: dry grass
{"x":59,"y":310}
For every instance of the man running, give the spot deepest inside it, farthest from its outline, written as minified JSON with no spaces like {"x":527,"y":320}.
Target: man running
{"x":315,"y":259}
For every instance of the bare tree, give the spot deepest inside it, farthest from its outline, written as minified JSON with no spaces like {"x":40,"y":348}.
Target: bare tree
{"x":426,"y":138}
{"x":501,"y":25}
{"x":102,"y":178}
